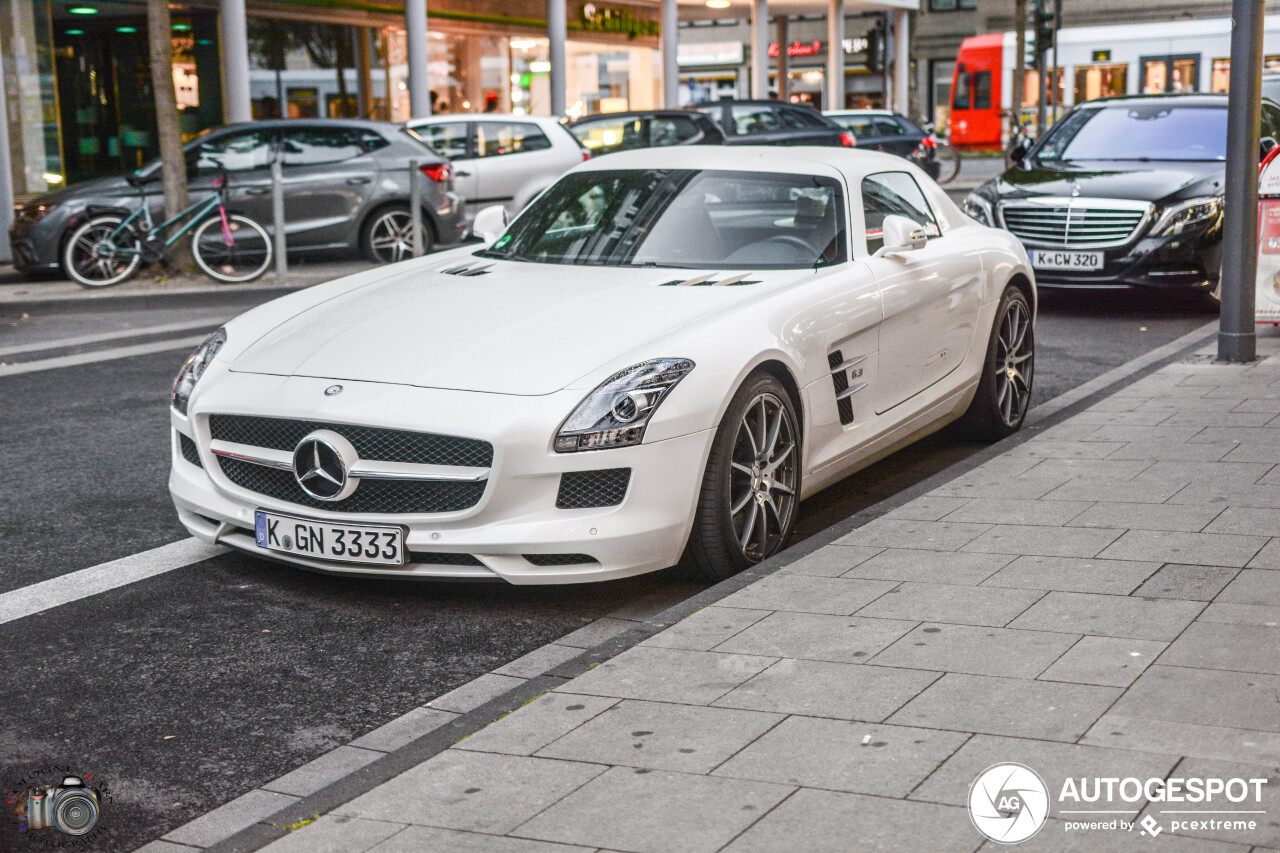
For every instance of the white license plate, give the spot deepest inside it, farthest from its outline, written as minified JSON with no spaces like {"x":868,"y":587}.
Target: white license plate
{"x":1043,"y":259}
{"x":324,"y":540}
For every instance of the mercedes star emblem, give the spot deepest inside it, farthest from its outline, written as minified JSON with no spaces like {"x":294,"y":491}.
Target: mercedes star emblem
{"x":333,"y":391}
{"x":319,"y":469}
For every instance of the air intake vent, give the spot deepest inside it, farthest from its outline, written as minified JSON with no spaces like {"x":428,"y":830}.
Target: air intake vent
{"x":840,"y":377}
{"x":560,"y":559}
{"x":436,"y":558}
{"x":705,"y":281}
{"x":468,"y":271}
{"x":583,"y":489}
{"x":189,"y":451}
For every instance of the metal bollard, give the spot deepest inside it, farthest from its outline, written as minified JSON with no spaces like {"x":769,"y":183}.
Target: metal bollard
{"x":277,"y":216}
{"x":415,"y":206}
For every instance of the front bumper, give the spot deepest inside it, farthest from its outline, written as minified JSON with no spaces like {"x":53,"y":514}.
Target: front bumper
{"x":517,"y":514}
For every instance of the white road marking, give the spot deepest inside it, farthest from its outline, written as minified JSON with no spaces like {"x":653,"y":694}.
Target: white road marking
{"x":106,"y":576}
{"x":101,"y":355}
{"x":100,"y":337}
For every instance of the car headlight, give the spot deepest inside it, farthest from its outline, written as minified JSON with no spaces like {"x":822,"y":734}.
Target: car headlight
{"x":979,"y":208}
{"x":32,"y":212}
{"x":1187,"y":214}
{"x":616,"y":413}
{"x":194,"y":367}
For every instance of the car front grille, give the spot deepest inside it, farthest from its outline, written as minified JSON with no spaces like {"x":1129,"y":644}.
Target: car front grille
{"x":373,"y":443}
{"x":392,"y":497}
{"x":1074,"y":224}
{"x":560,"y":559}
{"x":584,"y":489}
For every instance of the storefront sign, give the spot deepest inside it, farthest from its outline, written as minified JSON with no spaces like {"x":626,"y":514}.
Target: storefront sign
{"x":796,"y":48}
{"x":1102,"y":56}
{"x":709,"y":53}
{"x":856,"y":45}
{"x":605,"y":19}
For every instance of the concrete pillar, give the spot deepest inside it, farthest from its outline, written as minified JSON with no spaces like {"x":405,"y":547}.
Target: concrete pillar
{"x":557,"y":35}
{"x":901,"y":61}
{"x":415,"y":31}
{"x":235,"y":62}
{"x":670,"y":64}
{"x":835,"y":55}
{"x":760,"y":49}
{"x":783,"y":41}
{"x":6,"y":183}
{"x":364,"y":73}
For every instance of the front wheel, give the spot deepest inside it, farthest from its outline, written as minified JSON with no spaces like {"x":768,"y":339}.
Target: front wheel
{"x":235,"y":250}
{"x":387,"y":237}
{"x":1004,"y":392}
{"x":751,"y":489}
{"x":99,"y":254}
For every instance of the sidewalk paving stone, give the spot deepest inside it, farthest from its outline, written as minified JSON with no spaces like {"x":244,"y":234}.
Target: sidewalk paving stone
{"x":1252,"y":586}
{"x":596,"y":632}
{"x":1209,"y":549}
{"x":929,"y":508}
{"x":655,"y":811}
{"x":1243,"y":648}
{"x":814,"y":636}
{"x":1241,"y":614}
{"x":675,"y":675}
{"x":1109,"y":615}
{"x":1143,"y":516}
{"x":977,"y":651}
{"x":1117,"y":491}
{"x":328,"y":768}
{"x":822,"y":689}
{"x":429,"y":839}
{"x":1246,"y":520}
{"x":474,"y":693}
{"x":332,"y":834}
{"x":1054,"y":837}
{"x":1267,"y":832}
{"x":1073,"y":574}
{"x":707,"y":628}
{"x":226,"y":820}
{"x":1007,"y":706}
{"x":931,"y":535}
{"x":1209,"y":697}
{"x":1189,"y":583}
{"x":836,"y":596}
{"x":1107,"y":661}
{"x":837,"y":755}
{"x":404,"y":729}
{"x":1023,"y":539}
{"x":662,"y":736}
{"x":1160,"y":451}
{"x":1047,"y":448}
{"x":531,"y":727}
{"x":1257,"y":495}
{"x":1144,"y":734}
{"x":830,"y":562}
{"x":944,"y":602}
{"x":901,"y":564}
{"x":1002,"y":511}
{"x":1268,"y":557}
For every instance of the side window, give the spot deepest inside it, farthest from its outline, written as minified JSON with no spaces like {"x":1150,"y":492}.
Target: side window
{"x":887,"y":126}
{"x":448,"y":138}
{"x":791,"y":119}
{"x":312,"y":146}
{"x":890,"y":193}
{"x":982,"y":90}
{"x":237,"y":152}
{"x":859,"y":126}
{"x":752,"y":118}
{"x":496,"y":138}
{"x":1270,"y":122}
{"x":610,"y":134}
{"x":372,"y":140}
{"x":670,"y":130}
{"x":961,"y":99}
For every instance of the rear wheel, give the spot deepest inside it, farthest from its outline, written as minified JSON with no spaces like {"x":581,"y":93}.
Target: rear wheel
{"x":751,"y":489}
{"x":237,"y":254}
{"x":388,"y":236}
{"x":1004,"y":392}
{"x":948,"y":163}
{"x":94,"y":258}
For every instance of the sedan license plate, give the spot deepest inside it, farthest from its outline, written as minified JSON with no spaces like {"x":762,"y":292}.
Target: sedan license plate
{"x":324,"y":540}
{"x":1051,"y":260}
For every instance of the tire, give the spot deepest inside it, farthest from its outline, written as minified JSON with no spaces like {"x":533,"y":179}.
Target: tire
{"x":386,"y":236}
{"x":88,"y":260}
{"x":245,"y":258}
{"x":759,"y":432}
{"x":1004,"y":392}
{"x":948,"y":164}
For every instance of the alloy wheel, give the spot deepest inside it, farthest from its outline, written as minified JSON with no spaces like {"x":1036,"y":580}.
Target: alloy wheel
{"x":764,"y":477}
{"x":391,"y":237}
{"x":1015,"y":360}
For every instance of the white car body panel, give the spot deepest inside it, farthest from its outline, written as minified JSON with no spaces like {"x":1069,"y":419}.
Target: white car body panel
{"x":507,"y":355}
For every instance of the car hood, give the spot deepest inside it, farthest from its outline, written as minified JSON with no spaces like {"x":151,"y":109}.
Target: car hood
{"x":516,"y":328}
{"x":1136,"y":181}
{"x":86,"y":189}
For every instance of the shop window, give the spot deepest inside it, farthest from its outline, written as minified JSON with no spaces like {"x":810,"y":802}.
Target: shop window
{"x":1170,"y":74}
{"x":495,"y":138}
{"x":894,"y":193}
{"x":1031,"y":87}
{"x":1100,"y":81}
{"x":236,"y":152}
{"x":448,"y":138}
{"x":1220,"y":72}
{"x":312,"y":146}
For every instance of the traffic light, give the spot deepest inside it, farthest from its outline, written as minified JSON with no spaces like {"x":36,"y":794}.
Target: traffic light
{"x":1042,"y":38}
{"x":875,"y":48}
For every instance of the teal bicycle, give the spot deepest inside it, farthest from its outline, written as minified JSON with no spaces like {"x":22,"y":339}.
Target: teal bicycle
{"x":112,"y":245}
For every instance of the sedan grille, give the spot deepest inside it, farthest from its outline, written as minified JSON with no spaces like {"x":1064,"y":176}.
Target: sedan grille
{"x":392,"y":497}
{"x":373,"y":443}
{"x":583,"y":489}
{"x":1074,"y":224}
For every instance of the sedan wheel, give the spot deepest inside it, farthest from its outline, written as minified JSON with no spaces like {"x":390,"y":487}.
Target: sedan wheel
{"x":751,"y":488}
{"x":388,"y":237}
{"x":1004,"y":391}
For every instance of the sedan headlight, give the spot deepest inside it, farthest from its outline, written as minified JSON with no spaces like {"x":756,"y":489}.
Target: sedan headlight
{"x":194,"y":367}
{"x":979,"y":208}
{"x":616,"y":413}
{"x":1188,"y":214}
{"x":32,"y":212}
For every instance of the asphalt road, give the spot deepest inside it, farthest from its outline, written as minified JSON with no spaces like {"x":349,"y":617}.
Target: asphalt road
{"x":188,"y":689}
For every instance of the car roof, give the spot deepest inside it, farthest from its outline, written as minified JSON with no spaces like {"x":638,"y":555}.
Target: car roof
{"x":1201,"y":99}
{"x":866,"y":112}
{"x":364,"y":123}
{"x":853,"y":163}
{"x":733,"y":102}
{"x":635,"y":114}
{"x":542,"y":121}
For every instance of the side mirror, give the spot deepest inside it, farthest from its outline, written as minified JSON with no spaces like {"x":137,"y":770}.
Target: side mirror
{"x":1017,"y":153}
{"x":901,"y":235}
{"x":490,"y":223}
{"x":1265,"y":144}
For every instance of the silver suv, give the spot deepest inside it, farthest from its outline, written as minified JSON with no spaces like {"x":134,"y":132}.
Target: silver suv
{"x":346,"y":187}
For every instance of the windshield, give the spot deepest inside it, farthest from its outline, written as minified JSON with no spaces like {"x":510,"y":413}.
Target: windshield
{"x":1145,"y":130}
{"x":681,"y":218}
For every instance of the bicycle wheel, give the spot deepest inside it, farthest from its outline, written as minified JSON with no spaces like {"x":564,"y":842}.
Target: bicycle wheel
{"x":239,"y":253}
{"x":949,"y":161}
{"x":92,"y":259}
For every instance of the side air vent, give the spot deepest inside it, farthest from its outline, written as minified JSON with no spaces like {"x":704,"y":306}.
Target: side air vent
{"x":584,"y":489}
{"x":437,"y":558}
{"x":468,"y":271}
{"x":840,"y":376}
{"x":560,"y":559}
{"x":189,"y":451}
{"x":705,"y":281}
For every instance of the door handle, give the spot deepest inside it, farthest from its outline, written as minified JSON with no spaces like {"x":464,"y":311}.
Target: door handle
{"x":461,"y":173}
{"x":257,"y":190}
{"x":355,"y":182}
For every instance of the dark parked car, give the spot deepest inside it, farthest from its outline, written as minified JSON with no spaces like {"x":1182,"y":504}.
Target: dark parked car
{"x":1122,"y":192}
{"x":346,"y":186}
{"x":774,"y":123}
{"x":610,"y":132}
{"x":882,"y":130}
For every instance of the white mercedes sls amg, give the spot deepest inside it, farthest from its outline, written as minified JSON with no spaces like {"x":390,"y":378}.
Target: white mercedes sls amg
{"x":651,"y":366}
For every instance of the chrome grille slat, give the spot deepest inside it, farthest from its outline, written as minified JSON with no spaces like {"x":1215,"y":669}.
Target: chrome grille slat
{"x":1075,"y":223}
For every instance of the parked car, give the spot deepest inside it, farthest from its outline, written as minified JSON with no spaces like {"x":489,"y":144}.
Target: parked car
{"x":608,"y":133}
{"x":652,"y":364}
{"x":501,"y":159}
{"x":884,"y":130}
{"x":346,"y":187}
{"x":1123,"y":193}
{"x":747,"y":122}
{"x":1271,"y":86}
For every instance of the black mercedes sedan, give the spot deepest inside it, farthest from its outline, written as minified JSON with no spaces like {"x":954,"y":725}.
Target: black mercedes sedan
{"x":1122,"y":193}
